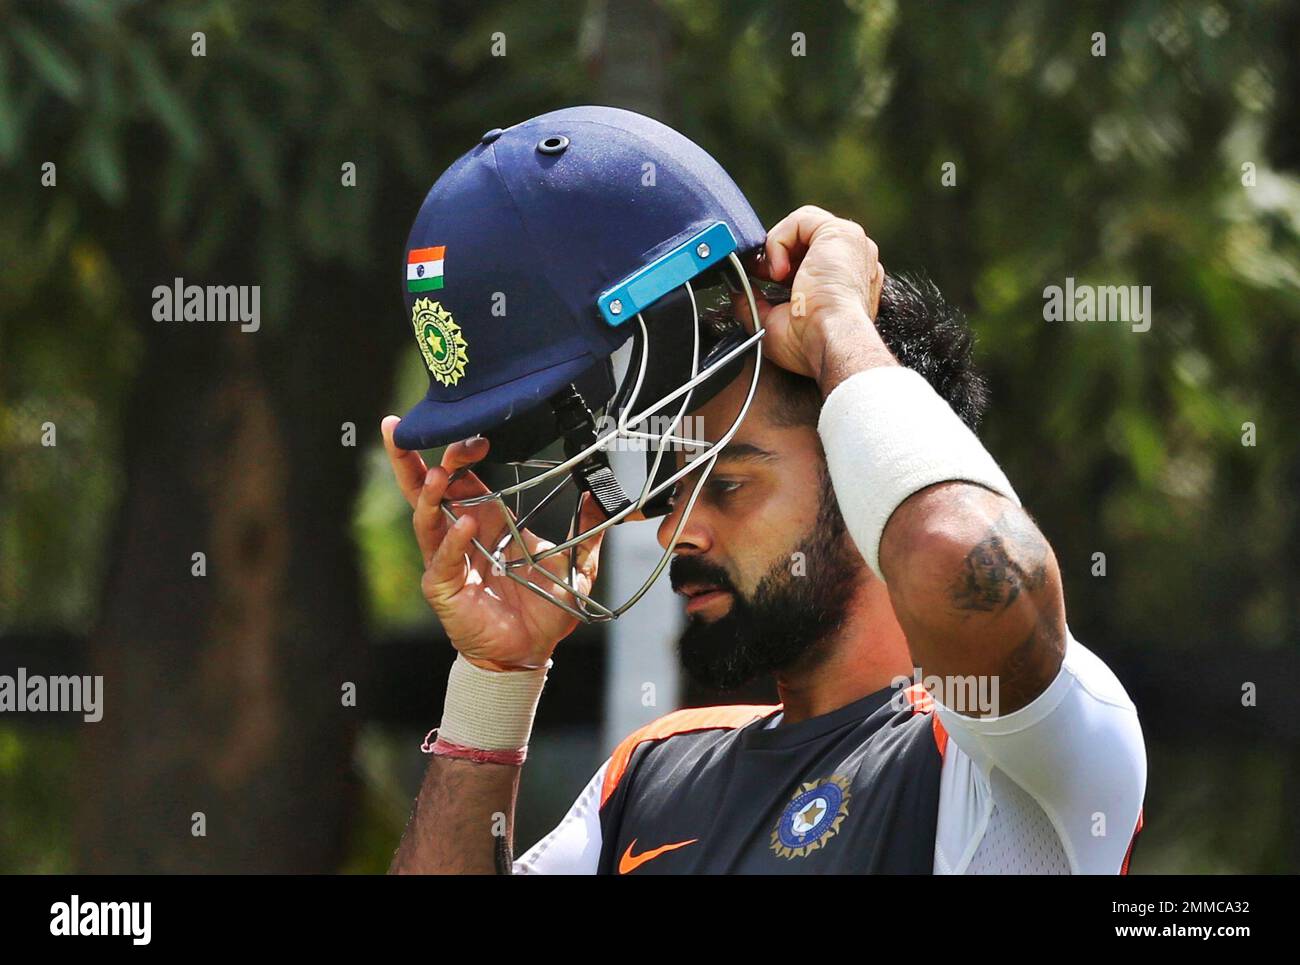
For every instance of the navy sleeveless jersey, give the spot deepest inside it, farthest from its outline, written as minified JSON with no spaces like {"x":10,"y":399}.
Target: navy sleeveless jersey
{"x":713,"y":791}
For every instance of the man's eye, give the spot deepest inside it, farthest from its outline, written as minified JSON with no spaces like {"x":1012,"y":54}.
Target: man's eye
{"x":717,"y":488}
{"x":723,"y":487}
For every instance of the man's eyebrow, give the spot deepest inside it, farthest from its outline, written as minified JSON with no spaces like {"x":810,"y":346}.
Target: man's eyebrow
{"x":744,"y":451}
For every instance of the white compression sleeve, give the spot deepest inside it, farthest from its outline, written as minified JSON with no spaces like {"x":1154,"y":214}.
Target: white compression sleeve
{"x":887,"y":434}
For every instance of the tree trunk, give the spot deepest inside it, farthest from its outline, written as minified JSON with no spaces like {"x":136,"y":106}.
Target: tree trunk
{"x":223,"y":692}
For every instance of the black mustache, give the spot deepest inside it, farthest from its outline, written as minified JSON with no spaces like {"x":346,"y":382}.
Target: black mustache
{"x":692,"y":569}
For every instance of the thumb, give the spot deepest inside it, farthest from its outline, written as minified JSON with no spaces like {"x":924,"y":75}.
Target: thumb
{"x":776,"y":320}
{"x":740,"y":309}
{"x":781,"y":343}
{"x":588,"y":555}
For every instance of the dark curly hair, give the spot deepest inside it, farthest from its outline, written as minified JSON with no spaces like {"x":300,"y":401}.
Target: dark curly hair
{"x":923,"y":331}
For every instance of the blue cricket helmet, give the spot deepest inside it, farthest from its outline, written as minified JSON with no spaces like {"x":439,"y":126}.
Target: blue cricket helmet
{"x":542,"y":251}
{"x":532,"y":227}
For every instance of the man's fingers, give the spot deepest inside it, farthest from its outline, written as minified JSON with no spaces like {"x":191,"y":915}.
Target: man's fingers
{"x":490,"y":515}
{"x":756,"y":265}
{"x":586,"y":553}
{"x":790,"y":237}
{"x":408,"y":467}
{"x":429,"y":522}
{"x":458,"y":456}
{"x":464,"y":453}
{"x":447,"y":570}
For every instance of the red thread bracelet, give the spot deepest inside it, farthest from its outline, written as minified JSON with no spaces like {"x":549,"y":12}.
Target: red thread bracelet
{"x":445,"y":748}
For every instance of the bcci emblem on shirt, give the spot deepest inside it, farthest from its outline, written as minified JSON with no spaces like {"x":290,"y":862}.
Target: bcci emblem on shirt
{"x":812,"y":817}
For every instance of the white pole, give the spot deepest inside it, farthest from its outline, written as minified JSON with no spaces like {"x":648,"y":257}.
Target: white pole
{"x":642,"y":673}
{"x":642,"y":676}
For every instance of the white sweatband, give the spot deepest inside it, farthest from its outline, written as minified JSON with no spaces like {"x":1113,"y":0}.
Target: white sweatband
{"x":887,"y":434}
{"x":488,"y":710}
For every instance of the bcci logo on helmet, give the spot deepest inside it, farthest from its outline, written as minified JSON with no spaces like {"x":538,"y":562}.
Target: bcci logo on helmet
{"x":440,"y":340}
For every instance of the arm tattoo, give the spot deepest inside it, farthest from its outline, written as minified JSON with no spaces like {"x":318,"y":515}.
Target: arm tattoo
{"x":1010,"y":558}
{"x":1014,"y":558}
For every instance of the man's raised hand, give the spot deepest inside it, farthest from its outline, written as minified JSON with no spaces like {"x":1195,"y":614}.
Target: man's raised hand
{"x":495,"y":622}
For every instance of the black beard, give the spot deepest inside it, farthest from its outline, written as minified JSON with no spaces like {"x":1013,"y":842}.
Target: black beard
{"x":790,"y":619}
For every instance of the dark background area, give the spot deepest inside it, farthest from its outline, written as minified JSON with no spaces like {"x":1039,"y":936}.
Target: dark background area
{"x":1171,"y":161}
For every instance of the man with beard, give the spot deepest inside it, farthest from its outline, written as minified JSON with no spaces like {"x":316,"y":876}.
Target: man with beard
{"x":853,"y":532}
{"x":789,"y":619}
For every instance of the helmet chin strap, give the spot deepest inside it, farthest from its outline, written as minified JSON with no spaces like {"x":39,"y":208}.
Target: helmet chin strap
{"x":593,"y":474}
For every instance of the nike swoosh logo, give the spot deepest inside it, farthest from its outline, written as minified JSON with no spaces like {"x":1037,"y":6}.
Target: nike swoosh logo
{"x":630,"y":862}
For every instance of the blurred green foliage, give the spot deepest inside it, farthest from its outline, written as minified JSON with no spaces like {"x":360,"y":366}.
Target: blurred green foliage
{"x":36,"y":770}
{"x":1118,"y":169}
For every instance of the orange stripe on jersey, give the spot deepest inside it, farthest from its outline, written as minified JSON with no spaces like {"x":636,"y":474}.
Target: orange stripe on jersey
{"x":940,"y":735}
{"x":923,"y":703}
{"x":1128,"y":855}
{"x":727,"y":717}
{"x":919,"y":698}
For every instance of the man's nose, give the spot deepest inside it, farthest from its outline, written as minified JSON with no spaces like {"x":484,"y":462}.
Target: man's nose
{"x":695,"y":536}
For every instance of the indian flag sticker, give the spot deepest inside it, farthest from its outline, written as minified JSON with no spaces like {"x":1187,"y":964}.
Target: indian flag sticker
{"x":424,"y":269}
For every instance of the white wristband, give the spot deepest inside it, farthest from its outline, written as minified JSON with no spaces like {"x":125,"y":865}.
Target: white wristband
{"x":490,"y":711}
{"x":887,"y":434}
